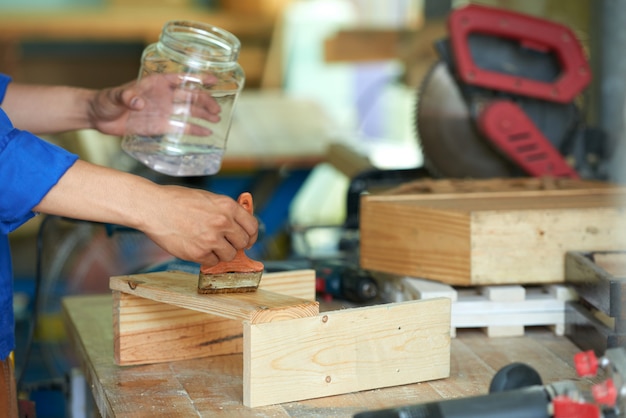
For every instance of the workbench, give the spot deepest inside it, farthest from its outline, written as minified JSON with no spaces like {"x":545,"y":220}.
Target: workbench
{"x":213,"y":385}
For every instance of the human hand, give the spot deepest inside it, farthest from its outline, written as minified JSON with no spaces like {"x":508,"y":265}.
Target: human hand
{"x":200,"y":226}
{"x":191,"y":224}
{"x":144,"y":107}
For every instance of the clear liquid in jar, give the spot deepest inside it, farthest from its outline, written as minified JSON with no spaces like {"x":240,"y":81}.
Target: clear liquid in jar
{"x":178,"y":152}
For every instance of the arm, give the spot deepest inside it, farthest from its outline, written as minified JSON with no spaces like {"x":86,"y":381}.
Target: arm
{"x":43,"y":109}
{"x":190,"y":224}
{"x":47,"y":109}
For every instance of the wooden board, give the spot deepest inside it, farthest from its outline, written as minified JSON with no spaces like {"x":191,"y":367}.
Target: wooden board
{"x":213,"y":386}
{"x":181,"y":289}
{"x":485,"y":238}
{"x":148,"y":331}
{"x":346,"y":351}
{"x":537,"y":185}
{"x":354,"y":349}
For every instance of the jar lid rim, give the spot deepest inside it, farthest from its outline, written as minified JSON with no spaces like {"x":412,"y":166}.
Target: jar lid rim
{"x":206,"y":34}
{"x":202,"y":27}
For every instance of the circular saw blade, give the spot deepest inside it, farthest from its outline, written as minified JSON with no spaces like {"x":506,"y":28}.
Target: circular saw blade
{"x":450,"y":143}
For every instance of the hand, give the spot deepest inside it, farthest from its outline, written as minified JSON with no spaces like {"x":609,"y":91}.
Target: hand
{"x":200,"y":226}
{"x":191,"y":224}
{"x":145,"y":106}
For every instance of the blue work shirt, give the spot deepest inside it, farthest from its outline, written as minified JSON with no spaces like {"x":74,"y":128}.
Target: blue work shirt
{"x":29,"y":168}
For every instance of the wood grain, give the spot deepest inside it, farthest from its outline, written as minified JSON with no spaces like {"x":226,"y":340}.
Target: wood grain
{"x":397,"y":238}
{"x":366,"y":348}
{"x":345,"y":351}
{"x":180,"y":289}
{"x":489,"y":238}
{"x":510,"y":186}
{"x":213,"y":386}
{"x":148,"y":331}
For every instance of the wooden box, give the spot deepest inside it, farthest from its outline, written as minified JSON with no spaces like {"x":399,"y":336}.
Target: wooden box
{"x":290,"y":350}
{"x":511,"y":232}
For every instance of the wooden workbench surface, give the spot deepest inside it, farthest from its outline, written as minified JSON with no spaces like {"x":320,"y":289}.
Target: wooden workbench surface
{"x":210,"y":386}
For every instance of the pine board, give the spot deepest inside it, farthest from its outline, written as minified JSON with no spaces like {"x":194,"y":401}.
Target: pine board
{"x":488,"y":238}
{"x":181,"y":289}
{"x":212,"y":386}
{"x":346,"y":351}
{"x":148,"y":331}
{"x":362,"y":348}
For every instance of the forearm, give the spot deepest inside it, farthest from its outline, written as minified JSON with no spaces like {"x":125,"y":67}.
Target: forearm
{"x":191,"y":224}
{"x":43,"y":109}
{"x":90,"y":192}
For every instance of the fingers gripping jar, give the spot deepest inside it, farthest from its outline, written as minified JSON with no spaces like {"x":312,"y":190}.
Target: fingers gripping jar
{"x":189,"y":80}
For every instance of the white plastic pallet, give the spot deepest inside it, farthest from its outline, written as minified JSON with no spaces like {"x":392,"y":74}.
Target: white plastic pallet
{"x":501,"y":310}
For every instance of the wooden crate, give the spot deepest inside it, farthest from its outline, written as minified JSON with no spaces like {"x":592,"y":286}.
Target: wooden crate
{"x":291,"y":351}
{"x":511,"y":232}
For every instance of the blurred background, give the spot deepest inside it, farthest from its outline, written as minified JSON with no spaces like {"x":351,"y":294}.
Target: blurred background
{"x":331,"y":89}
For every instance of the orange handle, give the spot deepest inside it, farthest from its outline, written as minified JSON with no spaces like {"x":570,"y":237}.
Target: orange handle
{"x":240,"y":263}
{"x":245,"y":200}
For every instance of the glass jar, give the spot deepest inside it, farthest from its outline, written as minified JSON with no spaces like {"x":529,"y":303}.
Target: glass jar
{"x":190,"y":80}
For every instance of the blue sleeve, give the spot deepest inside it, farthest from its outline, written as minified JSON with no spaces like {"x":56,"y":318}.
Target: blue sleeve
{"x":29,"y":168}
{"x":4,"y":83}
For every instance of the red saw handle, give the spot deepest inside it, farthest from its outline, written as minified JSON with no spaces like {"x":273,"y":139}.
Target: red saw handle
{"x":538,"y":33}
{"x":507,"y":127}
{"x":240,"y":263}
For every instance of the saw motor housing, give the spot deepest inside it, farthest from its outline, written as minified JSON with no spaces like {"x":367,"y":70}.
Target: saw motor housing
{"x":504,"y":99}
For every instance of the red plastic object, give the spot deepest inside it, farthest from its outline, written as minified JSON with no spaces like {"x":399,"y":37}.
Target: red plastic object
{"x":565,"y":407}
{"x":506,"y":125}
{"x":605,"y":393}
{"x":586,"y":363}
{"x":320,"y":288}
{"x":533,"y":32}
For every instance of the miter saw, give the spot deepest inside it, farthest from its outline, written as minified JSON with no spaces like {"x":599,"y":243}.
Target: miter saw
{"x":505,"y":100}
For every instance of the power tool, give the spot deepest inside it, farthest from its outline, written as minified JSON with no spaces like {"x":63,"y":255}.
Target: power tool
{"x":516,"y":392}
{"x":506,"y":99}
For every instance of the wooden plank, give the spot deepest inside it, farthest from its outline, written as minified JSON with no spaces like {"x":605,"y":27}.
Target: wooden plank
{"x":358,"y":45}
{"x":489,"y":238}
{"x":398,"y":239}
{"x":346,"y":351}
{"x":421,"y":188}
{"x":213,"y":386}
{"x":146,"y":331}
{"x":498,"y":201}
{"x":348,"y":160}
{"x":529,"y":246}
{"x":619,"y":193}
{"x":180,"y":289}
{"x":120,"y":22}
